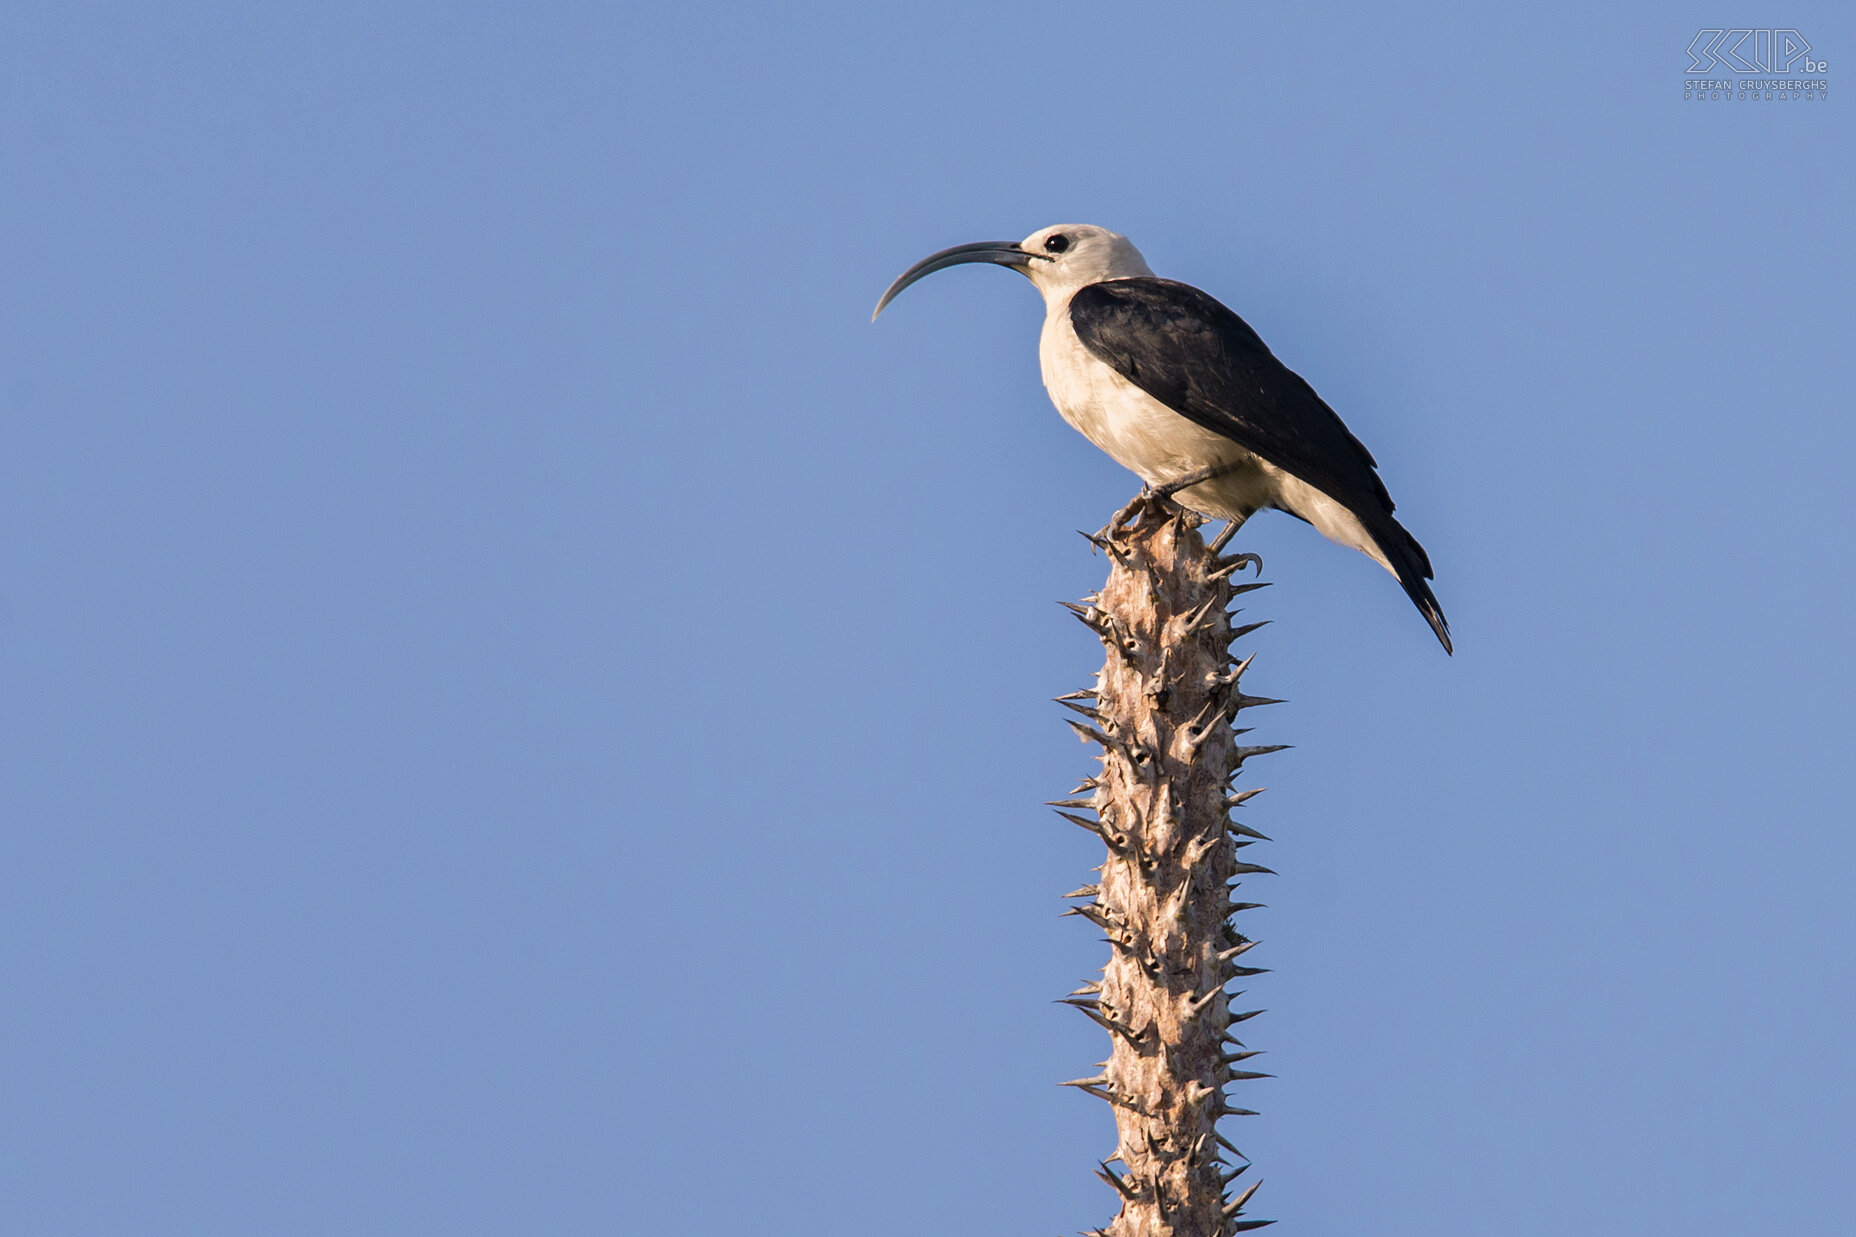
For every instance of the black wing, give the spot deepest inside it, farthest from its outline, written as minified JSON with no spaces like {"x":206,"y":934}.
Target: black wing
{"x":1204,"y":362}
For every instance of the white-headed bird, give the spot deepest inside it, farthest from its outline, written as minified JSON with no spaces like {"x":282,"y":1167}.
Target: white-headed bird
{"x":1179,"y":389}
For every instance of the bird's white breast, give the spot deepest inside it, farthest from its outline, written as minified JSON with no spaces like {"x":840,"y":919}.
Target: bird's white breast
{"x":1138,"y":431}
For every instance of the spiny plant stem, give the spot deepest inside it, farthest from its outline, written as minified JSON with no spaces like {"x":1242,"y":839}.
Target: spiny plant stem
{"x":1162,"y":711}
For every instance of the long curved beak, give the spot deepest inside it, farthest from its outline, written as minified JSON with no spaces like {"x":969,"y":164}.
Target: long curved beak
{"x":1001,"y":253}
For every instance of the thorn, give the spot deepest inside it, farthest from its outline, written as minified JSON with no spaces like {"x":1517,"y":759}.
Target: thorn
{"x":1237,"y":1204}
{"x":1237,"y":671}
{"x":1114,"y":1026}
{"x":1239,"y":1075}
{"x":1120,"y":1100}
{"x":1096,"y":715}
{"x":1238,"y":633}
{"x":1245,"y":906}
{"x":1241,"y":701}
{"x":1225,"y":1179}
{"x":1238,"y":590}
{"x":1196,"y":1005}
{"x":1245,"y":753}
{"x":1240,"y":797}
{"x":1228,"y":954}
{"x":1143,"y":761}
{"x":1089,"y":734}
{"x":1085,"y":694}
{"x":1244,"y":1017}
{"x":1105,"y":542}
{"x":1086,"y":891}
{"x":1231,"y":1057}
{"x":1197,"y":851}
{"x":1197,"y":1092}
{"x":1162,"y":676}
{"x":1182,"y":903}
{"x":1121,"y":1187}
{"x":1088,"y":803}
{"x":1111,"y":1025}
{"x":1201,"y":724}
{"x":1245,"y":869}
{"x":1222,"y":1142}
{"x":1100,"y":1080}
{"x":1094,"y":914}
{"x":1193,"y":619}
{"x":1114,"y":841}
{"x":1088,"y":988}
{"x":1244,"y":1226}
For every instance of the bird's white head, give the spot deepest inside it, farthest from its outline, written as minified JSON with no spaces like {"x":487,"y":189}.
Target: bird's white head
{"x":1068,"y":256}
{"x":1058,"y":260}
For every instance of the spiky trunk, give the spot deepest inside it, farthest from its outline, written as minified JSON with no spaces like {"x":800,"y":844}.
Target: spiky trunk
{"x":1162,"y":712}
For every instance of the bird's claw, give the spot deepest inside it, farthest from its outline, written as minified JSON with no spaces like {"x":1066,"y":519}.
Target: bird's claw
{"x":1126,"y":515}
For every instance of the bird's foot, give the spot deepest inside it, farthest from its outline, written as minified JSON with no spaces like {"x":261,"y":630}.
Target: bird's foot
{"x":1126,"y":515}
{"x":1159,"y":499}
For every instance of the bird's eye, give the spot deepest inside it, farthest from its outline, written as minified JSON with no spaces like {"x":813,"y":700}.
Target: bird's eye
{"x":1057,"y":243}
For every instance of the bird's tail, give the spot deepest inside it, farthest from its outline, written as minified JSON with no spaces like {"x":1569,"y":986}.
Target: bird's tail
{"x":1412,"y":566}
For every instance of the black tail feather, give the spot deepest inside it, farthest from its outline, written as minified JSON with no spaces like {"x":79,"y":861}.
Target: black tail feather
{"x":1413,"y":567}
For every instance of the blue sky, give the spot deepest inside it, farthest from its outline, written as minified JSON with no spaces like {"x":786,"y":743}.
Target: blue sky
{"x":524,"y":713}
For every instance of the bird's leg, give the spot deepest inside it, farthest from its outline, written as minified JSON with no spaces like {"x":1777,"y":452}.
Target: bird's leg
{"x":1236,"y":561}
{"x":1210,"y":473}
{"x":1224,"y":537}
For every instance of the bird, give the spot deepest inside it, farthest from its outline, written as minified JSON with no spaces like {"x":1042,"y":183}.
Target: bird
{"x":1178,"y":389}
